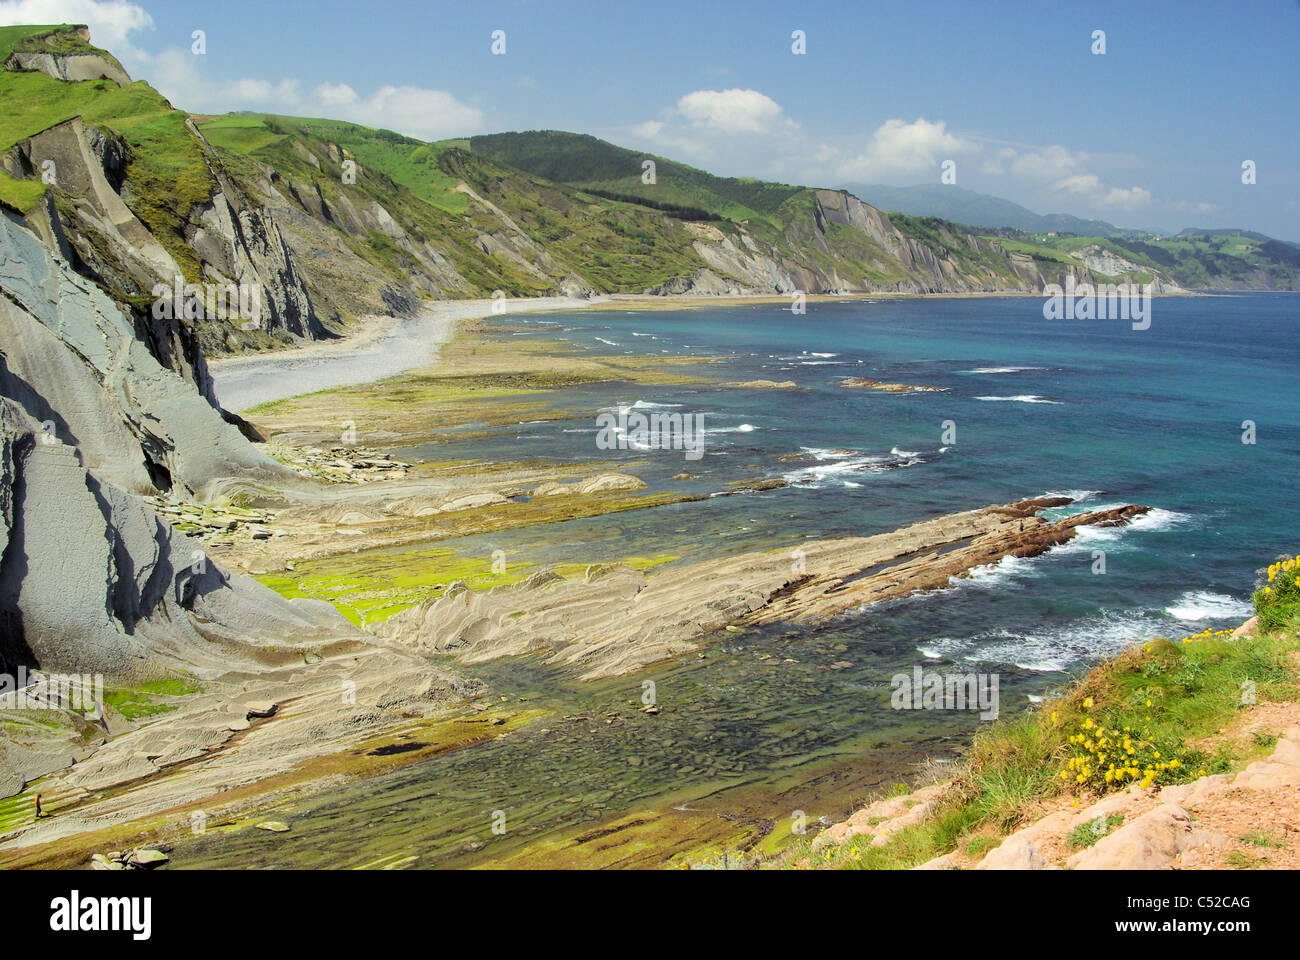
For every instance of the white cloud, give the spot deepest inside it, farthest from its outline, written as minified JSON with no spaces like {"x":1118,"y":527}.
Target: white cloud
{"x":1117,"y":198}
{"x":414,"y":111}
{"x":899,"y":148}
{"x":704,"y":126}
{"x":648,"y":130}
{"x":111,"y":22}
{"x":1047,"y":163}
{"x":734,"y":111}
{"x":336,"y":94}
{"x":1089,"y":187}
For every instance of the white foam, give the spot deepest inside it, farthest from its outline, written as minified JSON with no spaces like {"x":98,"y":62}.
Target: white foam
{"x":996,"y":370}
{"x":831,"y":463}
{"x":1202,"y":605}
{"x":1078,"y":496}
{"x":1022,"y":398}
{"x":1060,"y":648}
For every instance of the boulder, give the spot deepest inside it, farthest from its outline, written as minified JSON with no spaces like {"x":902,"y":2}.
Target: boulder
{"x":1151,"y":842}
{"x":145,"y":859}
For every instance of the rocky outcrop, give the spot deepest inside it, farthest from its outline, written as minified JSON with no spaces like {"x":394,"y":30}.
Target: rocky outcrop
{"x":864,"y":384}
{"x":94,"y":582}
{"x":601,"y":483}
{"x":83,"y":217}
{"x":72,"y":361}
{"x":841,"y":245}
{"x":65,"y":53}
{"x":617,"y":619}
{"x":1099,"y":259}
{"x":71,"y":66}
{"x":91,"y":579}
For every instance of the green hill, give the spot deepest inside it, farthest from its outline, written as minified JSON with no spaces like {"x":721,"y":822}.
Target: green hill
{"x":333,"y":220}
{"x":601,"y":167}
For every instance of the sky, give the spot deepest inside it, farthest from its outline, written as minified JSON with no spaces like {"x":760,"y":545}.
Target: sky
{"x":1014,"y":97}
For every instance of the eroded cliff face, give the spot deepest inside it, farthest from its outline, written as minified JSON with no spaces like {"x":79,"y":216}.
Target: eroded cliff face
{"x":91,"y":580}
{"x":841,"y":245}
{"x":221,"y":236}
{"x":74,"y":363}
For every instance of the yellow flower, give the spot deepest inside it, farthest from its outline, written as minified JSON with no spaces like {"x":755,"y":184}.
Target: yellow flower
{"x":1087,"y":703}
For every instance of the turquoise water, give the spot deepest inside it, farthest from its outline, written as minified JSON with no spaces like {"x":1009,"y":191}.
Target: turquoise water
{"x":1090,"y":408}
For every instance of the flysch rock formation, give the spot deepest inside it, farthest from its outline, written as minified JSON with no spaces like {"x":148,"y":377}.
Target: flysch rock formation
{"x":233,"y":238}
{"x":616,"y":619}
{"x":94,"y":582}
{"x":72,"y":361}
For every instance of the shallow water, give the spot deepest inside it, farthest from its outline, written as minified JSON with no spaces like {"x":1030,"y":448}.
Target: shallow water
{"x":1092,"y":408}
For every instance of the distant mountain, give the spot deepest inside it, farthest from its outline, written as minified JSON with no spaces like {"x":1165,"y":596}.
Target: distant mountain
{"x":977,"y":209}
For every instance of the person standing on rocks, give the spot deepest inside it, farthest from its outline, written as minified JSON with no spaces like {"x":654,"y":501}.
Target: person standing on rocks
{"x":38,"y":807}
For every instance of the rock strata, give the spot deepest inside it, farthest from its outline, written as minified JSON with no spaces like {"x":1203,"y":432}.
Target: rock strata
{"x":616,"y":619}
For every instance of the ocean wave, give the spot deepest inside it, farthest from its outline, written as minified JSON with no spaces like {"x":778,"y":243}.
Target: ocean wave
{"x":996,"y":370}
{"x":609,"y":342}
{"x":1078,"y":496}
{"x":833,"y":464}
{"x":1022,"y":398}
{"x":621,"y":408}
{"x":1203,"y":605}
{"x":1057,"y":648}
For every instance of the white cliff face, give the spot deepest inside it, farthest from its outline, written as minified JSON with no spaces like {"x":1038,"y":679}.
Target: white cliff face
{"x":1100,"y":260}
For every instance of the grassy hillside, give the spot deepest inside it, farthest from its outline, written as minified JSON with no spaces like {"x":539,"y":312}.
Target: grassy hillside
{"x":619,"y":247}
{"x":595,"y":165}
{"x":1196,"y":259}
{"x":166,"y":177}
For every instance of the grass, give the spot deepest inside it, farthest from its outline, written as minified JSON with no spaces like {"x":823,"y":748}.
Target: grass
{"x":369,"y":588}
{"x":1260,"y":838}
{"x":1170,"y":697}
{"x":1086,"y":834}
{"x":20,"y":195}
{"x":141,"y":701}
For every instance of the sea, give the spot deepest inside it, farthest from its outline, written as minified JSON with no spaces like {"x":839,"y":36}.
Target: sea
{"x":1193,"y":416}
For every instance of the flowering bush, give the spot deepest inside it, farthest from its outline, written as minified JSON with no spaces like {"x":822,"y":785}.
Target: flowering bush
{"x":1277,"y":599}
{"x":1105,"y":752}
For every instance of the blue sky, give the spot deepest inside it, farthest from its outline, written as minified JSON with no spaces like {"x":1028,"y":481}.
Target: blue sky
{"x":1152,"y":134}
